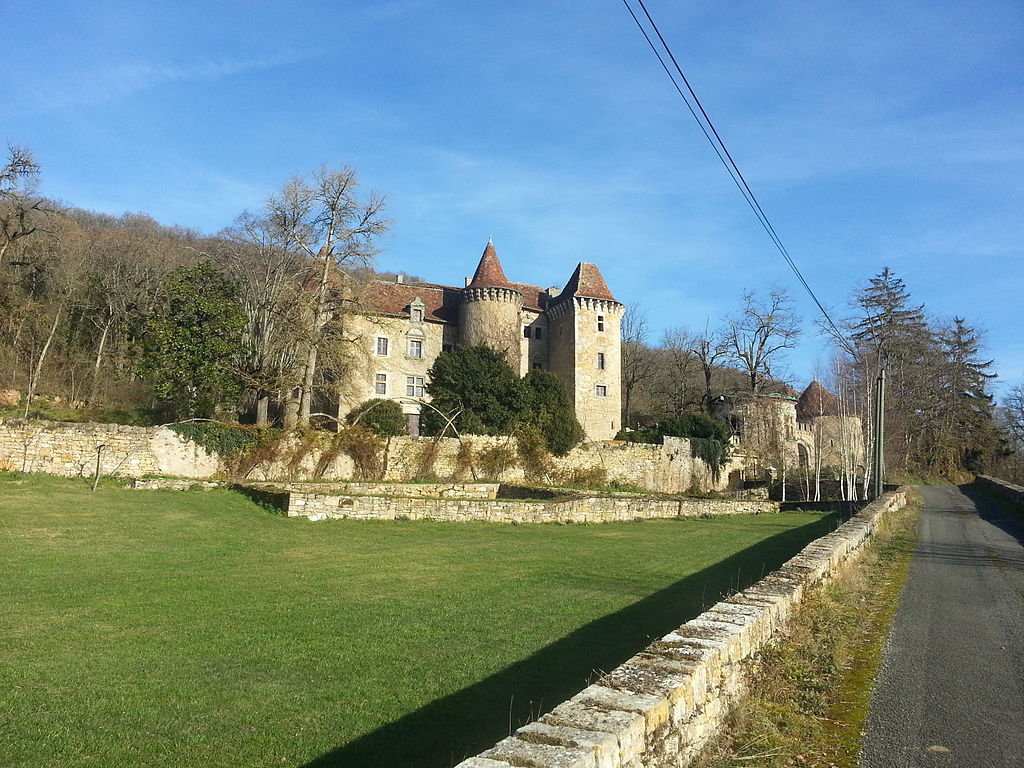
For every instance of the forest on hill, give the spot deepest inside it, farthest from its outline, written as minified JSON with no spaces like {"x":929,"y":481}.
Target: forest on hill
{"x":121,"y":318}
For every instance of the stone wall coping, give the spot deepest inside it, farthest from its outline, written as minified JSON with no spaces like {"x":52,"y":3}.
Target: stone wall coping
{"x":664,"y":704}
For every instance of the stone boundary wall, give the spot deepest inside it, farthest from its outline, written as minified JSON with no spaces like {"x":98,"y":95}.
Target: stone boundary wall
{"x":409,"y":490}
{"x":661,"y":707}
{"x":588,"y":509}
{"x":1014,"y":493}
{"x":70,"y":450}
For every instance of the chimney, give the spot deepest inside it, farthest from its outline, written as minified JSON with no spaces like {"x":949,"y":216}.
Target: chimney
{"x":553,"y":291}
{"x":468,"y":281}
{"x":399,"y":278}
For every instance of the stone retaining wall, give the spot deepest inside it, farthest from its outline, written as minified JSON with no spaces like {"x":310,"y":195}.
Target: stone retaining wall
{"x":70,"y":450}
{"x":602,"y":509}
{"x":1013,"y":492}
{"x":662,"y":706}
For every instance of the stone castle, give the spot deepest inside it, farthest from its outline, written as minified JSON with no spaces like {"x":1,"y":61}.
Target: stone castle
{"x":573,"y":332}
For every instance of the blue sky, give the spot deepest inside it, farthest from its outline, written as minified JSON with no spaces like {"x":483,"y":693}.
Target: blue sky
{"x":874,"y":134}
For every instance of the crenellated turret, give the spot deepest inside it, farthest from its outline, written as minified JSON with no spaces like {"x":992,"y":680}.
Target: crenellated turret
{"x":585,"y":349}
{"x":491,"y":309}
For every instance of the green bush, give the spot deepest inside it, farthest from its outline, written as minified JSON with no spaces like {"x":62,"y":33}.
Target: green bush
{"x":478,"y":383}
{"x":551,"y":412}
{"x":382,"y":417}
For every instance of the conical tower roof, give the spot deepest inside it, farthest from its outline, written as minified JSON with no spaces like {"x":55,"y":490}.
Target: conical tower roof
{"x":587,"y":281}
{"x":489,"y":272}
{"x":816,"y":401}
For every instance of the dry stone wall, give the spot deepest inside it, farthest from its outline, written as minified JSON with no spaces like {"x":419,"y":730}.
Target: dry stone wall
{"x":1013,"y":492}
{"x":662,"y":706}
{"x":71,"y":450}
{"x":603,"y":509}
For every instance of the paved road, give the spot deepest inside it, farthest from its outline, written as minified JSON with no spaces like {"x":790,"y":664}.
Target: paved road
{"x":951,"y":689}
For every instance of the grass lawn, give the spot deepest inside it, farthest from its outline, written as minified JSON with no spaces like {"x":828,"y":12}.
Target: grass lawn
{"x":161,"y":628}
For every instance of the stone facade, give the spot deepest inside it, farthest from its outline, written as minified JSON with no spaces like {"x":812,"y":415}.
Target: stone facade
{"x":573,"y":332}
{"x":809,"y":431}
{"x":662,"y":706}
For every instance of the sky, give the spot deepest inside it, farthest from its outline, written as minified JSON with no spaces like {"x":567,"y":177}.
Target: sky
{"x":874,"y":134}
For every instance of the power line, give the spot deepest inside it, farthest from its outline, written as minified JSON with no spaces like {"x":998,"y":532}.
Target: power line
{"x":708,"y":129}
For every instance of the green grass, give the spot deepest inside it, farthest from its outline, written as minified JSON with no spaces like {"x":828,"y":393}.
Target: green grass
{"x":163,"y":628}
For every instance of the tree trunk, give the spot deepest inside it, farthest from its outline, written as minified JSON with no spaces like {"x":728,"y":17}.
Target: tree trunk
{"x":99,"y":361}
{"x":34,"y":380}
{"x":262,"y":408}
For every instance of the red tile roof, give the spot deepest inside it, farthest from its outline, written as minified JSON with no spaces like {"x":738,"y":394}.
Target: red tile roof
{"x":440,"y":302}
{"x":587,"y":282}
{"x":816,"y":401}
{"x":489,"y":272}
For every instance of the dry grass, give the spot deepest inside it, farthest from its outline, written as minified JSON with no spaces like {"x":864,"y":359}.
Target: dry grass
{"x":808,"y":700}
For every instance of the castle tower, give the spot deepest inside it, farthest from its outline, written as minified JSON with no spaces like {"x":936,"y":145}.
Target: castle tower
{"x":585,"y":350}
{"x":491,"y":310}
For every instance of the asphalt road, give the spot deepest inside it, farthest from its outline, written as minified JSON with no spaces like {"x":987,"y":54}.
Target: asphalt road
{"x":951,"y":688}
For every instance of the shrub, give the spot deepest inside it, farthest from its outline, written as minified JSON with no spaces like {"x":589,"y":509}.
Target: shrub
{"x":495,"y":462}
{"x":533,"y":452}
{"x":551,"y":412}
{"x":382,"y":417}
{"x":478,"y":383}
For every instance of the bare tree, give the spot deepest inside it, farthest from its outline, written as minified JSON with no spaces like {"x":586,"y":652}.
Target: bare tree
{"x":323,"y":218}
{"x":638,"y":363}
{"x":708,"y":347}
{"x":760,"y":332}
{"x":20,"y":210}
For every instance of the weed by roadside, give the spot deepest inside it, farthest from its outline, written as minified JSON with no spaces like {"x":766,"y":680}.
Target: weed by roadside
{"x":809,"y":696}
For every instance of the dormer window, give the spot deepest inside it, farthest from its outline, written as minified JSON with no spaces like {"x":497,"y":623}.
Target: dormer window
{"x":416,"y":310}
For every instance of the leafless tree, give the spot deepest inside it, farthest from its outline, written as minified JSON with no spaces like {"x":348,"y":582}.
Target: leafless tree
{"x":638,"y":363}
{"x":21,"y":212}
{"x":757,"y":336}
{"x":324,"y":219}
{"x":708,"y":347}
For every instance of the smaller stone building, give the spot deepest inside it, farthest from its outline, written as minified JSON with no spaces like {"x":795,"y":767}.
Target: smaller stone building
{"x":808,"y":431}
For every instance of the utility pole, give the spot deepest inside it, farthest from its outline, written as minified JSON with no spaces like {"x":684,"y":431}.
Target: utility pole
{"x":878,"y":459}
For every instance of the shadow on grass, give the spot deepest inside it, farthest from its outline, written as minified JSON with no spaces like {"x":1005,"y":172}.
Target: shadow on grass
{"x":469,"y":721}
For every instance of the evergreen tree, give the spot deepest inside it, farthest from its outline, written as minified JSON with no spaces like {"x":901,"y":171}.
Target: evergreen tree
{"x":968,"y":435}
{"x":892,"y":332}
{"x":190,"y":339}
{"x":551,"y":412}
{"x":481,"y":386}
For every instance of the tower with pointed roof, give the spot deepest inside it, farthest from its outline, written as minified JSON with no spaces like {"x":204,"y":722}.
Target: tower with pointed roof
{"x":491,"y":309}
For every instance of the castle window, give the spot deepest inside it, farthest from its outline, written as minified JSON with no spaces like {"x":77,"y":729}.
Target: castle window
{"x":447,"y":347}
{"x":600,"y":361}
{"x":526,"y":331}
{"x":415,"y":348}
{"x":380,"y":384}
{"x":417,"y":314}
{"x":536,"y":332}
{"x":600,"y":322}
{"x":382,"y":346}
{"x":538,"y":366}
{"x":602,"y":390}
{"x":414,"y":386}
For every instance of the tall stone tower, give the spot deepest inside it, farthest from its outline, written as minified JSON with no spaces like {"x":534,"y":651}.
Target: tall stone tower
{"x":491,"y":309}
{"x":585,"y":349}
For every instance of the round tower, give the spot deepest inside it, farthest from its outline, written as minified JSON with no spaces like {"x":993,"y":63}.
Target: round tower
{"x":491,"y":310}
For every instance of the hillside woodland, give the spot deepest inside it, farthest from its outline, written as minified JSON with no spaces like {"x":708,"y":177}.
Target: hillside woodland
{"x":121,"y":318}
